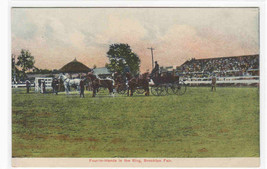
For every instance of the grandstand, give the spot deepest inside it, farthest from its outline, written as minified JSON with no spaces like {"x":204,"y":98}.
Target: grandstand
{"x":235,"y":67}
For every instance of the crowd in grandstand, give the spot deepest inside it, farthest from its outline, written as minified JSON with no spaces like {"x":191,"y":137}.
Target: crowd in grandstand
{"x":221,"y":67}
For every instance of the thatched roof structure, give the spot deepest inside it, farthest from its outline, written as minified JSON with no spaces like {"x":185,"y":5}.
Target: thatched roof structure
{"x":74,"y":67}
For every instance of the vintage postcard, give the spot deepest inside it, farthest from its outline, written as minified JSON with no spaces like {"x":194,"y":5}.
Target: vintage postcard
{"x":135,"y":87}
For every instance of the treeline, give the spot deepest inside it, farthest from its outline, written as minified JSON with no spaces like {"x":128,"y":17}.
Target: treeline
{"x":121,"y":59}
{"x":24,"y":64}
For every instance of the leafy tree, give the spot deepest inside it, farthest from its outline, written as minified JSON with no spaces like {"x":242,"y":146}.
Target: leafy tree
{"x":25,"y":61}
{"x":121,"y":56}
{"x":13,"y":65}
{"x":15,"y":71}
{"x":17,"y":74}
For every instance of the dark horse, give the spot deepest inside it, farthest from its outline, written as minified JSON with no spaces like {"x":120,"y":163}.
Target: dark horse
{"x":97,"y":82}
{"x":134,"y":82}
{"x":120,"y":83}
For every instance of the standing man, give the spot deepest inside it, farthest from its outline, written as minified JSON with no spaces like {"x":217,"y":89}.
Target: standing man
{"x":213,"y":83}
{"x":28,"y":85}
{"x":40,"y":85}
{"x":43,"y":86}
{"x":55,"y":85}
{"x":82,"y":87}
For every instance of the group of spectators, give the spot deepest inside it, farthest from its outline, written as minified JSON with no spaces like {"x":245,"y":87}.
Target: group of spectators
{"x":224,"y":66}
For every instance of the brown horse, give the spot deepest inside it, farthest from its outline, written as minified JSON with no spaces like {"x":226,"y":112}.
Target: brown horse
{"x":134,"y":82}
{"x":97,"y":83}
{"x":120,"y":83}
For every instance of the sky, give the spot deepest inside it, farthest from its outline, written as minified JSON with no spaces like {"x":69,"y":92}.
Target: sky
{"x":56,"y":36}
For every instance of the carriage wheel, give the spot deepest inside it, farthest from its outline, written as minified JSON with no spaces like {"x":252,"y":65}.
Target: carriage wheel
{"x":154,"y":90}
{"x":181,"y":88}
{"x":140,"y":91}
{"x":172,"y":89}
{"x":162,"y":90}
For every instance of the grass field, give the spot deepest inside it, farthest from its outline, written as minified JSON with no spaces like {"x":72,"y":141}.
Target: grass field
{"x":198,"y":124}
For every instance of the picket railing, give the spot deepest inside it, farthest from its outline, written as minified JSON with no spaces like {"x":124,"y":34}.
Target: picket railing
{"x":225,"y":80}
{"x":20,"y":85}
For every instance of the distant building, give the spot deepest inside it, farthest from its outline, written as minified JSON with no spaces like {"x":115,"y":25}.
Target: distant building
{"x":74,"y":69}
{"x":166,"y":69}
{"x":102,"y":72}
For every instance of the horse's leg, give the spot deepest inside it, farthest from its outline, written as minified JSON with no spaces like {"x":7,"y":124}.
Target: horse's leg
{"x":94,"y":91}
{"x":111,"y":89}
{"x":128,"y":90}
{"x":147,"y":90}
{"x":78,"y":88}
{"x":131,"y":94}
{"x":66,"y":89}
{"x":111,"y":92}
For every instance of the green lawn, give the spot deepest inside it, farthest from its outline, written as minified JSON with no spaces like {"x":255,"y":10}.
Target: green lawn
{"x":198,"y":124}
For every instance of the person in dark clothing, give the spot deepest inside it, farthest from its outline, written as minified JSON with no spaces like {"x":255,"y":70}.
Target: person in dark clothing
{"x":55,"y":85}
{"x":82,"y":88}
{"x":156,"y":66}
{"x":213,"y":83}
{"x":155,"y":71}
{"x":40,"y":84}
{"x":125,"y":71}
{"x":28,"y":85}
{"x":43,"y":86}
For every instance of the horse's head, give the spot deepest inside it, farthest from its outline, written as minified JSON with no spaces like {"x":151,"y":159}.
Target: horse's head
{"x":116,"y":74}
{"x":146,"y":76}
{"x":128,"y":75}
{"x":90,"y":76}
{"x":60,"y":76}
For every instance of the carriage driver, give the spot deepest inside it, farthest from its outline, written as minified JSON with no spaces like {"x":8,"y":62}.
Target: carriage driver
{"x":125,"y":71}
{"x":155,"y":71}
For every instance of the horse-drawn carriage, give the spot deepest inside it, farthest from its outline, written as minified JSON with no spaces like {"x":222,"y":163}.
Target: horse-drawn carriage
{"x":160,"y":85}
{"x":167,"y":84}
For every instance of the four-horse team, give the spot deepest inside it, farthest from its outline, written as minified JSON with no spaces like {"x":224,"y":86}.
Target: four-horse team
{"x":121,"y":83}
{"x":113,"y":85}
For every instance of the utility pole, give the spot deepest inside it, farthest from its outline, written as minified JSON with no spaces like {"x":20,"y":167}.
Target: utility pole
{"x":152,"y":57}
